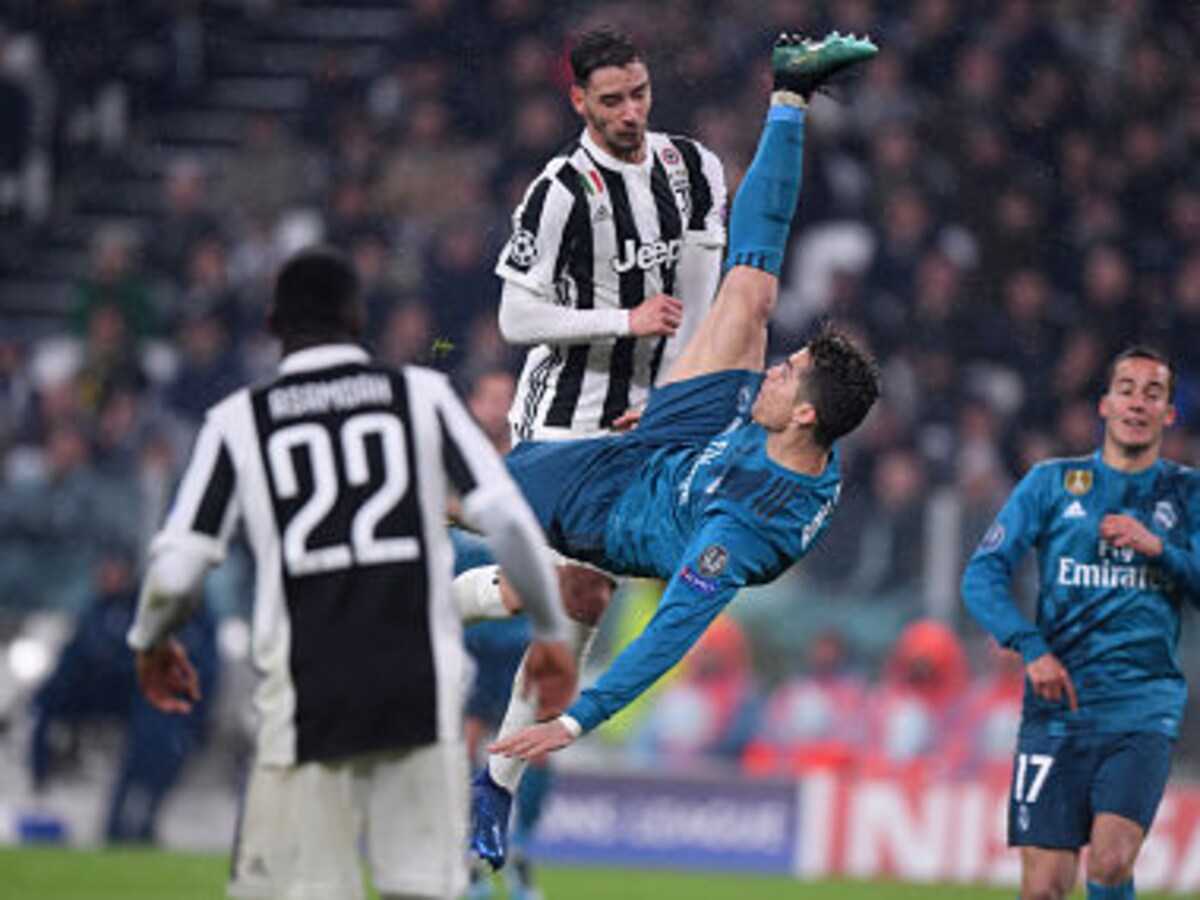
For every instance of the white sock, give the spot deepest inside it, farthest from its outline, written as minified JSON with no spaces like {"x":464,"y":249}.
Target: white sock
{"x":788,"y":98}
{"x":477,"y":595}
{"x":522,"y":711}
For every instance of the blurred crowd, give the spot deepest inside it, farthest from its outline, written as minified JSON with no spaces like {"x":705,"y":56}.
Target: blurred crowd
{"x":1008,"y":196}
{"x":927,"y":716}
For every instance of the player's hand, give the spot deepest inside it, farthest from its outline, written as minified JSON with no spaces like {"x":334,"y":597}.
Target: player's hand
{"x":1125,"y":531}
{"x":660,"y":314}
{"x":550,"y":670}
{"x":534,"y":741}
{"x":1050,"y":680}
{"x":626,"y":421}
{"x":168,"y":678}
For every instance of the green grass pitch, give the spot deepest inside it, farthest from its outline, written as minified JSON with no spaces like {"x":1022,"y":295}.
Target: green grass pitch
{"x":56,"y":874}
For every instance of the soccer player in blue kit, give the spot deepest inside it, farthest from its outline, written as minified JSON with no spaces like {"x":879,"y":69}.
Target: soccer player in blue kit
{"x":731,"y":473}
{"x":1117,"y":536}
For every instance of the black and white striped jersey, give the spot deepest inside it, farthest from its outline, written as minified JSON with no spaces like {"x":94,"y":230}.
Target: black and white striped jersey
{"x":593,"y":232}
{"x":339,"y":471}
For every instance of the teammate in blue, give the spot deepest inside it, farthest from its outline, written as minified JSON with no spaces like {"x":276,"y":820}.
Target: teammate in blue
{"x":1117,"y":536}
{"x":731,"y":474}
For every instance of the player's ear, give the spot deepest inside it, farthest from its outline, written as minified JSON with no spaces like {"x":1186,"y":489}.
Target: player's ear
{"x":577,"y":98}
{"x":1172,"y":413}
{"x":804,"y":414}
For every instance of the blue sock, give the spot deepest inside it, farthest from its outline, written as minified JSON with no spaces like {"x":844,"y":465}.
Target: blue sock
{"x":761,"y":218}
{"x":531,"y":798}
{"x":1122,"y":891}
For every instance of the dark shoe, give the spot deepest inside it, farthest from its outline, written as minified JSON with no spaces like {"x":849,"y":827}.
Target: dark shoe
{"x":491,"y":806}
{"x":803,"y":66}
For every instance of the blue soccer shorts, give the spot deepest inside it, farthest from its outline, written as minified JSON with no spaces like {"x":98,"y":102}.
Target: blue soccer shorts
{"x":572,"y":485}
{"x":1061,"y":783}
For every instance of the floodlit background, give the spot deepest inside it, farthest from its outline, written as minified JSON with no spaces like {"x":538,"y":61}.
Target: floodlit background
{"x":1007,"y":196}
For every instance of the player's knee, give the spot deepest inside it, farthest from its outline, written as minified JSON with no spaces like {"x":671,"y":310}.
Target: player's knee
{"x":1109,"y":865}
{"x":585,"y":593}
{"x":1043,"y":892}
{"x":1046,"y":885}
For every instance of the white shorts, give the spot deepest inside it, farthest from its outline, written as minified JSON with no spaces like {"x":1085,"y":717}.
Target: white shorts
{"x":300,"y":827}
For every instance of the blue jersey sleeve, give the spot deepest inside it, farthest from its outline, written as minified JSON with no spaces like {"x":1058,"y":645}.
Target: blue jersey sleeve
{"x":1181,"y":552}
{"x":714,"y":566}
{"x":1183,"y":565}
{"x":987,"y":581}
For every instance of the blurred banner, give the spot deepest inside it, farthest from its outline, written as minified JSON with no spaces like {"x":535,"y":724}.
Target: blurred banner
{"x":826,"y":825}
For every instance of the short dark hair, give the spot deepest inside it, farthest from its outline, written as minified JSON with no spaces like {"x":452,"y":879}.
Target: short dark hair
{"x":842,"y":384}
{"x":1141,"y":351}
{"x":317,"y":295}
{"x":599,"y":48}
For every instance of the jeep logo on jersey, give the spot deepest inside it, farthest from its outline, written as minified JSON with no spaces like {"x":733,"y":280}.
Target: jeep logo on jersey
{"x":522,"y":249}
{"x":647,"y":256}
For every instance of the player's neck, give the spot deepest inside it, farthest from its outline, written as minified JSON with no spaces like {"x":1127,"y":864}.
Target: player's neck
{"x":633,"y":157}
{"x":1129,"y":459}
{"x":797,"y":451}
{"x":295,"y":343}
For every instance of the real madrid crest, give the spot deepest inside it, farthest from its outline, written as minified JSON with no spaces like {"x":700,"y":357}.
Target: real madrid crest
{"x":1164,"y":515}
{"x":1078,"y":481}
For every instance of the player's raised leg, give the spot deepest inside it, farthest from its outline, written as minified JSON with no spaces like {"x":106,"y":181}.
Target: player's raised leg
{"x":733,"y":335}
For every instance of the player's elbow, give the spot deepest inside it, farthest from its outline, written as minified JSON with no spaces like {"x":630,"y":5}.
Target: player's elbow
{"x":511,"y":328}
{"x":519,"y":316}
{"x":974,"y":587}
{"x":176,"y":575}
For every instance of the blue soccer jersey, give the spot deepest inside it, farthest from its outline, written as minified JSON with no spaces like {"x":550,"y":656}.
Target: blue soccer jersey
{"x":710,"y":521}
{"x":1110,"y":615}
{"x":690,"y":497}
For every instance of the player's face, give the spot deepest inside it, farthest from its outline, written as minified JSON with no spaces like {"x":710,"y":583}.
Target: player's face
{"x":615,"y":104}
{"x":1137,"y":408}
{"x":776,"y":407}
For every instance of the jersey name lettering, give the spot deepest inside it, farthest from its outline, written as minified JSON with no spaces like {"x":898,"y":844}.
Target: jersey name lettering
{"x":335,"y":395}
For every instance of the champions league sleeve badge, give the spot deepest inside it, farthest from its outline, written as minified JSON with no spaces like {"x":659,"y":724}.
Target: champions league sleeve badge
{"x":712,"y":561}
{"x":993,"y":539}
{"x":522,"y":250}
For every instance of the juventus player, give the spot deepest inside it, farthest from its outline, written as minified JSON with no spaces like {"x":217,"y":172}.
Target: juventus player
{"x":731,"y":474}
{"x":340,"y":471}
{"x":615,"y":248}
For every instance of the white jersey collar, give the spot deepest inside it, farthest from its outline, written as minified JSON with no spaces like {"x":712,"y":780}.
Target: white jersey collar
{"x":609,"y":161}
{"x":323,"y":356}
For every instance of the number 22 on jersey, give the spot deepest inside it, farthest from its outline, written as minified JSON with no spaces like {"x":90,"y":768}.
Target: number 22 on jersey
{"x":361,"y":543}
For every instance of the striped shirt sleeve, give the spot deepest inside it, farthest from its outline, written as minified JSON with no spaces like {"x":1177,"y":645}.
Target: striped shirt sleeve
{"x":492,"y":502}
{"x":204,"y":513}
{"x":538,"y":226}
